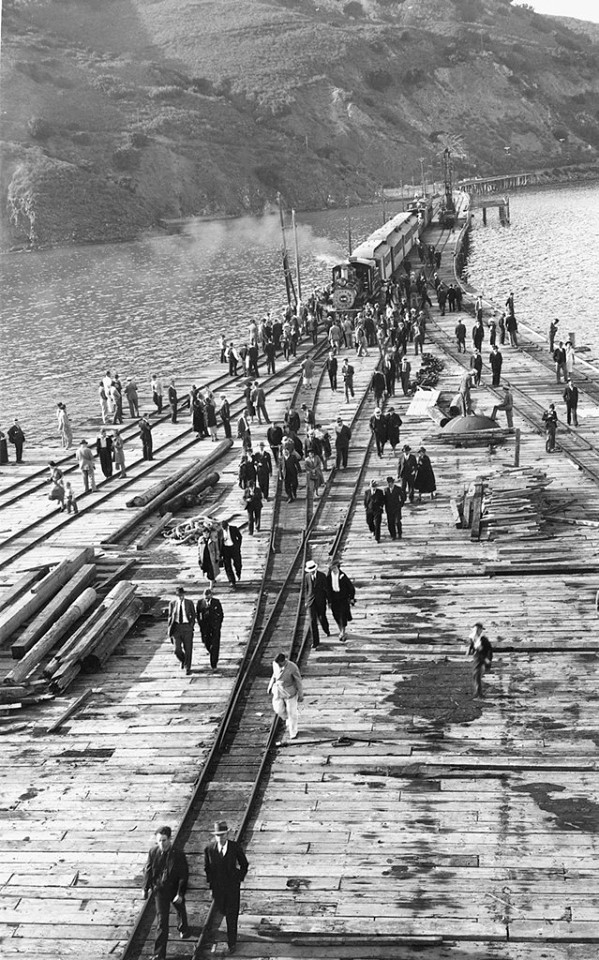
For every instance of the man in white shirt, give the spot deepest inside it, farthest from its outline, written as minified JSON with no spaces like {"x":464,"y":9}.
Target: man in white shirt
{"x":181,"y":622}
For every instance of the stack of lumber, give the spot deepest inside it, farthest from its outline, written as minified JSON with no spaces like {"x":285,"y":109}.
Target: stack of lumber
{"x":514,"y":503}
{"x":161,"y":495}
{"x":56,"y":614}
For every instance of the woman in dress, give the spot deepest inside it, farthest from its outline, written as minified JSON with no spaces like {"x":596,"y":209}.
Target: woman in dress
{"x":341,"y":595}
{"x":64,"y":426}
{"x":210,"y":416}
{"x":425,"y":475}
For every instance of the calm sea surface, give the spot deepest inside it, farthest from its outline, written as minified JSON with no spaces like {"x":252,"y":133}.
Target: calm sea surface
{"x":68,"y":315}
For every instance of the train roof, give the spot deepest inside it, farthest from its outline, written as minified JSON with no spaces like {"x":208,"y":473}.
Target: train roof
{"x":365,"y":251}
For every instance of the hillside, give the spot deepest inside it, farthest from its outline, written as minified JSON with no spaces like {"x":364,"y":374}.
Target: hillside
{"x":118,"y":113}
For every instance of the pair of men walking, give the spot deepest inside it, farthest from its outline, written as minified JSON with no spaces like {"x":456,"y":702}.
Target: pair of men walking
{"x":166,"y":877}
{"x":182,"y":617}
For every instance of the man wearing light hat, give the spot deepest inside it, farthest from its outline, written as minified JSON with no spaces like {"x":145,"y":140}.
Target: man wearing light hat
{"x":315,"y":587}
{"x":374,"y":504}
{"x":378,"y":425}
{"x":225,"y":865}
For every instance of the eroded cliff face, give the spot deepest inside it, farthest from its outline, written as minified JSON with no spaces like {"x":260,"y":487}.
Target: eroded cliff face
{"x":120,"y":113}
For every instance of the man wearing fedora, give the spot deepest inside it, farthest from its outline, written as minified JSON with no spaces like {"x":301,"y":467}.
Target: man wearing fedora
{"x":166,"y":875}
{"x":181,"y":621}
{"x":315,"y":587}
{"x":226,"y":865}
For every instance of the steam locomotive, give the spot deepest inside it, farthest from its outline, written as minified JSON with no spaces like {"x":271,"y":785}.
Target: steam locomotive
{"x":361,"y":277}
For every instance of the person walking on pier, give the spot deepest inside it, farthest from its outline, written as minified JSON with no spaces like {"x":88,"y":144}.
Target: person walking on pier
{"x":476,"y":364}
{"x":550,"y":420}
{"x":165,"y":876}
{"x":347,"y":372}
{"x":508,"y":405}
{"x":571,"y":398}
{"x":287,"y":692}
{"x":156,"y":388}
{"x":378,"y":386}
{"x":118,"y":452}
{"x":511,"y":325}
{"x":225,"y":866}
{"x":341,"y":595}
{"x":104,"y":451}
{"x":263,"y":464}
{"x":181,"y":621}
{"x":481,"y":651}
{"x":3,"y":449}
{"x":231,"y":551}
{"x":289,"y":471}
{"x":70,"y":500}
{"x":85,"y":459}
{"x":172,"y":400}
{"x":17,"y":438}
{"x":247,"y":472}
{"x":393,"y":504}
{"x":307,"y":368}
{"x":225,"y":415}
{"x":252,"y":498}
{"x":103,"y":401}
{"x":374,"y":504}
{"x":553,"y":326}
{"x":570,"y":358}
{"x":425,"y":481}
{"x":342,"y":438}
{"x":559,"y":357}
{"x":64,"y":426}
{"x":332,"y":366}
{"x":132,"y":397}
{"x":57,"y":491}
{"x":274,"y":435}
{"x":478,"y":335}
{"x":259,"y":400}
{"x":394,"y":422}
{"x":315,"y":600}
{"x":460,"y":335}
{"x":406,"y":473}
{"x":210,"y":616}
{"x":209,"y":554}
{"x":145,"y":432}
{"x":378,"y":427}
{"x":496,"y":362}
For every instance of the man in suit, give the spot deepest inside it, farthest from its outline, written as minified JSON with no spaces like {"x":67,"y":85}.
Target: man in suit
{"x":316,"y":601}
{"x":166,"y":875}
{"x":172,"y":400}
{"x":406,"y":472}
{"x":393,"y":505}
{"x":210,"y":616}
{"x":104,"y":451}
{"x":145,"y":432}
{"x":181,"y":620}
{"x":231,"y":551}
{"x":263,"y":464}
{"x":226,"y":865}
{"x":17,"y":438}
{"x":571,"y":398}
{"x":342,"y":438}
{"x":374,"y":504}
{"x":225,"y":415}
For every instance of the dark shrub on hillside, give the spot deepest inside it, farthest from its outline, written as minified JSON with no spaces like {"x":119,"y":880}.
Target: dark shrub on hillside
{"x":81,"y":137}
{"x":353,"y":9}
{"x":125,"y":159}
{"x":39,"y":128}
{"x":138,"y":139}
{"x":202,"y":85}
{"x":469,"y":10}
{"x":379,"y":80}
{"x":269,"y":176}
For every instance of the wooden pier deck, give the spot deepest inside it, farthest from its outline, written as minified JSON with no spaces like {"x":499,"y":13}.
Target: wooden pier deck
{"x":408,"y":820}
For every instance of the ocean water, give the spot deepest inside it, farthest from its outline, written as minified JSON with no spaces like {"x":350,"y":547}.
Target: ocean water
{"x":547,"y":256}
{"x":159,"y":305}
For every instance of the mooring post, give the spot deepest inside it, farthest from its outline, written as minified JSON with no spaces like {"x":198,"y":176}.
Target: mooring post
{"x":517,"y":448}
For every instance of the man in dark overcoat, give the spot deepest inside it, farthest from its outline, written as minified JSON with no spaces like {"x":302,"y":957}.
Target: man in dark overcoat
{"x":181,"y":622}
{"x":166,"y":874}
{"x":210,"y":616}
{"x":315,"y":599}
{"x":226,"y":865}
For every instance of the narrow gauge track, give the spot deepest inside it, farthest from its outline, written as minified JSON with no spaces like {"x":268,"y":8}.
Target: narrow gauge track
{"x":38,"y":480}
{"x":30,"y":535}
{"x":233,"y":773}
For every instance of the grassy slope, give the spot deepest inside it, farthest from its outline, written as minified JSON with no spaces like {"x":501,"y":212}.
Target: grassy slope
{"x":121,"y":112}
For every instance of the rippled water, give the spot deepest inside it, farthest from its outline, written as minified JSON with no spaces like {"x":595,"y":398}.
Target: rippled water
{"x":547,"y":256}
{"x":68,"y":315}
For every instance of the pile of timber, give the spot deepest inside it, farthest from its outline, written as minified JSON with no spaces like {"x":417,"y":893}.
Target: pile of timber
{"x":58,"y":615}
{"x":170,"y":494}
{"x":510,"y":505}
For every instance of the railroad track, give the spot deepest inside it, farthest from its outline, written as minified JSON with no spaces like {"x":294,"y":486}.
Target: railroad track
{"x":234,"y":771}
{"x":30,"y":534}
